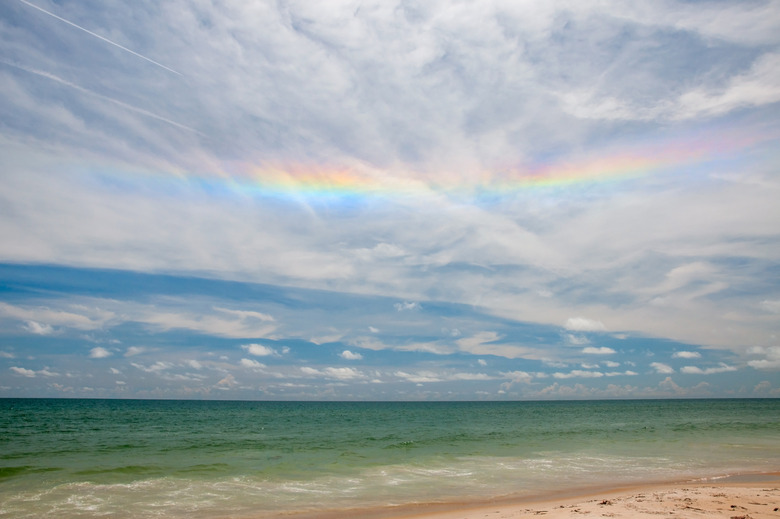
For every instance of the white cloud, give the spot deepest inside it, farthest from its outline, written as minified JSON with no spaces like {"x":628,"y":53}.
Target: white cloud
{"x":611,"y":364}
{"x":38,"y":328}
{"x":771,"y":306}
{"x":627,"y":373}
{"x":583,"y":324}
{"x":579,"y":374}
{"x":324,"y":339}
{"x":6,"y":355}
{"x":694,"y":370}
{"x":686,"y":355}
{"x":379,"y":252}
{"x":252,"y":364}
{"x":259,"y":350}
{"x":237,"y":324}
{"x":477,"y":342}
{"x":660,"y":367}
{"x":482,"y":362}
{"x":246,"y":315}
{"x":194,"y":364}
{"x":521,"y":377}
{"x":228,"y":381}
{"x":99,"y":353}
{"x":334,"y":373}
{"x":157,"y":367}
{"x":41,"y":319}
{"x":32,"y":374}
{"x":348,"y":355}
{"x":469,"y":376}
{"x":576,"y":340}
{"x":23,"y":371}
{"x":135,"y":350}
{"x":465,"y":91}
{"x":488,"y":343}
{"x":603,"y":350}
{"x":344,"y":373}
{"x":421,"y":377}
{"x":770,"y":360}
{"x":758,"y":86}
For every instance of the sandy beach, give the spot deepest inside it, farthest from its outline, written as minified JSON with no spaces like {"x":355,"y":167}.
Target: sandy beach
{"x":732,"y":500}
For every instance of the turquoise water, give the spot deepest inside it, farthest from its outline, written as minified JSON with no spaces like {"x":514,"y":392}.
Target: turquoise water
{"x":121,"y":458}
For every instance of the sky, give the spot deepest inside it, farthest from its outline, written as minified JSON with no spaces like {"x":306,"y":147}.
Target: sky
{"x":389,"y":200}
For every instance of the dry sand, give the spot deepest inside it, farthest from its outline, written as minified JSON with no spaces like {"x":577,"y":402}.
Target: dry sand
{"x":751,"y":500}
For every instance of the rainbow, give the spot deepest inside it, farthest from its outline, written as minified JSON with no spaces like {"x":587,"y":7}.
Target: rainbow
{"x":617,"y":164}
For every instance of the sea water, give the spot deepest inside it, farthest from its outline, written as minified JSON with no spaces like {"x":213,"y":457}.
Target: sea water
{"x":136,"y":458}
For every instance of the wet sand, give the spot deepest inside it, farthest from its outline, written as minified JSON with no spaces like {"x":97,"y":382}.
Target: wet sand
{"x":734,"y":498}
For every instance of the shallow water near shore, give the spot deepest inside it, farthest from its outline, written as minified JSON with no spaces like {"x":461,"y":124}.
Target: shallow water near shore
{"x":133,"y":458}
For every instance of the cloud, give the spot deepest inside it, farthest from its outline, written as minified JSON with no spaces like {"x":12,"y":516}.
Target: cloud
{"x":252,"y":364}
{"x":407,"y":306}
{"x":23,"y":371}
{"x":576,"y":340}
{"x":694,"y":370}
{"x":490,"y":343}
{"x":579,"y":374}
{"x":521,"y":377}
{"x":425,"y":192}
{"x":228,"y":381}
{"x":603,"y":350}
{"x":38,"y":328}
{"x":225,"y":323}
{"x":758,"y":86}
{"x":157,"y":367}
{"x":246,"y":315}
{"x":260,"y":350}
{"x":421,"y":377}
{"x":771,"y":306}
{"x":334,"y":373}
{"x":32,"y":374}
{"x":429,"y":376}
{"x":583,"y":324}
{"x":686,"y":355}
{"x":660,"y":367}
{"x":771,"y":360}
{"x":348,"y":355}
{"x":40,"y":319}
{"x":99,"y":353}
{"x":627,"y":373}
{"x":194,"y":364}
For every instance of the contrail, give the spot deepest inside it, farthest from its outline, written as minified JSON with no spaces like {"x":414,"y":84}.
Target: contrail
{"x":99,"y":36}
{"x":83,"y":90}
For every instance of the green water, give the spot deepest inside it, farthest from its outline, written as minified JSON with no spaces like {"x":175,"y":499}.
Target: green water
{"x":94,"y":458}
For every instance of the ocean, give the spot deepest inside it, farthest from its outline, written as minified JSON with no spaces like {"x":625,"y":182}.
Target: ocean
{"x":158,"y":458}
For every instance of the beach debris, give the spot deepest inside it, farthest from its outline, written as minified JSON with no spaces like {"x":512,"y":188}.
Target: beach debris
{"x":606,"y":502}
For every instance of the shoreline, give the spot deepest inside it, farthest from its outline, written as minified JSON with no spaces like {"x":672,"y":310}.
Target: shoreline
{"x":753,"y":496}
